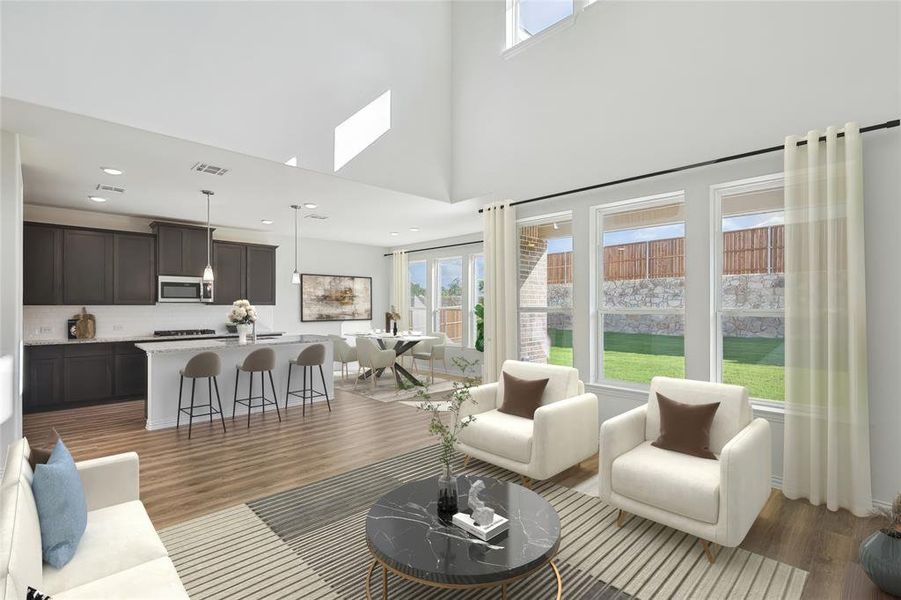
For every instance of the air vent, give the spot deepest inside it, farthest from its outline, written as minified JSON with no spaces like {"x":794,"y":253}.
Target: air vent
{"x":315,"y":216}
{"x":109,"y":188}
{"x":207,"y":168}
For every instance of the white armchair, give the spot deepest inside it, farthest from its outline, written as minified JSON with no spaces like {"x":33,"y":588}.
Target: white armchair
{"x":343,"y":353}
{"x":563,"y":433}
{"x":716,"y":500}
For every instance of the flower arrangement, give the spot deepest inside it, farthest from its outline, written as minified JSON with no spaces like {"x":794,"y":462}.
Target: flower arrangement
{"x":452,"y":406}
{"x":242,"y":313}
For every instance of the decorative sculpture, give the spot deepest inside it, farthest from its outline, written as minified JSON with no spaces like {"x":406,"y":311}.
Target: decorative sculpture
{"x":481,"y":514}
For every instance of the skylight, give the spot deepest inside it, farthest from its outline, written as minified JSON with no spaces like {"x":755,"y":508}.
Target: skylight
{"x":361,"y":129}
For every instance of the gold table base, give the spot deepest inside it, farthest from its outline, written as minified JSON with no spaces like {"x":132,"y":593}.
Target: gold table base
{"x":453,"y":586}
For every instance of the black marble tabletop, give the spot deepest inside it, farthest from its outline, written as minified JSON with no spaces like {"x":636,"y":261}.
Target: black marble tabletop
{"x":403,"y":530}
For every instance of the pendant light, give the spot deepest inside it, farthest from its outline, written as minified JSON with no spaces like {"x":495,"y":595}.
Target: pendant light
{"x":208,"y":269}
{"x":295,"y":277}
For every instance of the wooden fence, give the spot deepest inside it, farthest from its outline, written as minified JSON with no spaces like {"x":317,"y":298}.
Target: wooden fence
{"x":450,"y":321}
{"x":745,"y":251}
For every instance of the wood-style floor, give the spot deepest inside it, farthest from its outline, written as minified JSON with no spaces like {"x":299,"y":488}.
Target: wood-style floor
{"x":182,"y":478}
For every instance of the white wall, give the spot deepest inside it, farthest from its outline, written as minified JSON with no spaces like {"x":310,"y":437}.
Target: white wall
{"x":633,"y":87}
{"x":316,"y":256}
{"x":11,"y":276}
{"x":267,"y":79}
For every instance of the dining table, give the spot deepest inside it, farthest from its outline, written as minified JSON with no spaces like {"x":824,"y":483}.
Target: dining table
{"x":401,"y":344}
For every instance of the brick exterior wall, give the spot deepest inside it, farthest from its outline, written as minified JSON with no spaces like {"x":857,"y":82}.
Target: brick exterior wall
{"x":533,"y":291}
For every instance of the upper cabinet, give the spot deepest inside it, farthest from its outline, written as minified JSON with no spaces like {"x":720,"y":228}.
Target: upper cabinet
{"x":243,"y":271}
{"x":42,"y":264}
{"x":261,"y":274}
{"x":79,"y":266}
{"x":181,"y":249}
{"x":87,"y":267}
{"x":70,"y":265}
{"x":134,"y":268}
{"x":230,"y":270}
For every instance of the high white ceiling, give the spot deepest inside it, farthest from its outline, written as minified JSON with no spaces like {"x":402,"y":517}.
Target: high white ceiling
{"x":62,"y":154}
{"x":266,"y":79}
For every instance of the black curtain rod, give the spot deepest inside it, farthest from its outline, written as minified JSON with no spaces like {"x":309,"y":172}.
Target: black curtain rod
{"x":706,"y":163}
{"x":440,"y":247}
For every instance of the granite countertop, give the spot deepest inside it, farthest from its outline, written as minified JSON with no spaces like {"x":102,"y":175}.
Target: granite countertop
{"x":139,"y":338}
{"x":222,"y":344}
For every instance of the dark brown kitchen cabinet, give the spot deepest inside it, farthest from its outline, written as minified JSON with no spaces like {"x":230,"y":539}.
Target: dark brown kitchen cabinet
{"x":130,"y":374}
{"x":42,"y":270}
{"x":87,"y":267}
{"x":181,"y":249}
{"x":261,"y":274}
{"x":43,"y":377}
{"x":230,"y":270}
{"x":63,"y":375}
{"x":134,"y":268}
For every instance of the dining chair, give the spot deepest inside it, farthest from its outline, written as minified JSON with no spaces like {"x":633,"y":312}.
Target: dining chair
{"x":343,"y":353}
{"x":371,"y":356}
{"x":431,"y":350}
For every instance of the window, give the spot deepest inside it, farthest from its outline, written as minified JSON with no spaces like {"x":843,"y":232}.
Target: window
{"x":418,"y":295}
{"x":361,"y":129}
{"x":641,"y":300}
{"x":526,"y":18}
{"x":477,"y":295}
{"x":750,"y":287}
{"x":546,"y":291}
{"x":449,"y":298}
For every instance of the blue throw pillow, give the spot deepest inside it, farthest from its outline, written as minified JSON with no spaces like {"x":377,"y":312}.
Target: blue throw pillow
{"x":62,"y":510}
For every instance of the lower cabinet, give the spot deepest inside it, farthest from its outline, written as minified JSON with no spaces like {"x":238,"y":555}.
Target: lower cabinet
{"x":61,"y":376}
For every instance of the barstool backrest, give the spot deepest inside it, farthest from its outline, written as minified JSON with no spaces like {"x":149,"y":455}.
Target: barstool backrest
{"x":205,"y":364}
{"x":311,"y":356}
{"x":259,"y":360}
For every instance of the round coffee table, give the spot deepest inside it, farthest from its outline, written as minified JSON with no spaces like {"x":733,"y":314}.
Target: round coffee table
{"x":407,"y":538}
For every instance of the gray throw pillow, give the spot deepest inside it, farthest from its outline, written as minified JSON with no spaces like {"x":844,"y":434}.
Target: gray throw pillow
{"x":62,"y":509}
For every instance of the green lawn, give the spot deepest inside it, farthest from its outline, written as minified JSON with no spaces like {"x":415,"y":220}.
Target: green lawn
{"x":756,"y":363}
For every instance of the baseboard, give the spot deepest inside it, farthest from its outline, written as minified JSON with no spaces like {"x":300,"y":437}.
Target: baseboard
{"x":776,"y":483}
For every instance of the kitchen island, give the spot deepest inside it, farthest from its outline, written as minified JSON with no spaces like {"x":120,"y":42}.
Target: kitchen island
{"x":165,"y":359}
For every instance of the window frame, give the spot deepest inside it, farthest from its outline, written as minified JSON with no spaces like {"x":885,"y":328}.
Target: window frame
{"x":436,"y":298}
{"x":717,"y":193}
{"x":566,"y":215}
{"x":598,"y":309}
{"x":425,"y":309}
{"x":474,"y":294}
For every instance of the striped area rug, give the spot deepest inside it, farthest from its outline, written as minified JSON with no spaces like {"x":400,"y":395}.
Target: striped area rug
{"x":310,"y":543}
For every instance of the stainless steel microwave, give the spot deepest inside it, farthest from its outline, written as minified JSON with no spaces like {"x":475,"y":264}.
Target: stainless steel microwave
{"x":183,"y":289}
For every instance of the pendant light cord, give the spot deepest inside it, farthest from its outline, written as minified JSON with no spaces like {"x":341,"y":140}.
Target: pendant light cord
{"x":208,"y":229}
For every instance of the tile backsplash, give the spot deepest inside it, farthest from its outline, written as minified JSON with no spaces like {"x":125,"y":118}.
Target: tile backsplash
{"x":49,"y":322}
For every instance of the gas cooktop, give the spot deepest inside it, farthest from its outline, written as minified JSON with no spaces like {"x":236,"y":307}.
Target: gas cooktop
{"x":176,"y":332}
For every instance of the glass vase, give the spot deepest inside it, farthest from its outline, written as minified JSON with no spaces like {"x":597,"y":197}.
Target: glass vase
{"x":447,"y":495}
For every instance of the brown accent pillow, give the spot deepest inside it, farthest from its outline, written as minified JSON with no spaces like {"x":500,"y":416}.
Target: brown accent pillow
{"x":39,"y":456}
{"x":522,"y":397}
{"x":685,"y":428}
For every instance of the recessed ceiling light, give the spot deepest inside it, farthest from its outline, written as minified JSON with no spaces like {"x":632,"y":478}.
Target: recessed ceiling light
{"x":394,"y":233}
{"x":111,"y":171}
{"x":310,"y":205}
{"x":97,"y":198}
{"x":266,"y":221}
{"x":291,"y":162}
{"x":414,"y":229}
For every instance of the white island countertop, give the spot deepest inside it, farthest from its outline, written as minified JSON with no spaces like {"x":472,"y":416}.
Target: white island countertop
{"x":196,"y":345}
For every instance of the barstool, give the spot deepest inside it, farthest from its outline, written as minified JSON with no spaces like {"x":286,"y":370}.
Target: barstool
{"x":309,"y":357}
{"x":259,"y":361}
{"x":205,"y":364}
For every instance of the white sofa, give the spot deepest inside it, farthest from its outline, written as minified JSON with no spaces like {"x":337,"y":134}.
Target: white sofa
{"x":563,"y":433}
{"x":119,"y":556}
{"x":716,"y":500}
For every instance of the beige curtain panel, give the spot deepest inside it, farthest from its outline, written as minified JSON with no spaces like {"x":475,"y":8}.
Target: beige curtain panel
{"x":400,"y":290}
{"x":827,"y":447}
{"x":500,"y":289}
